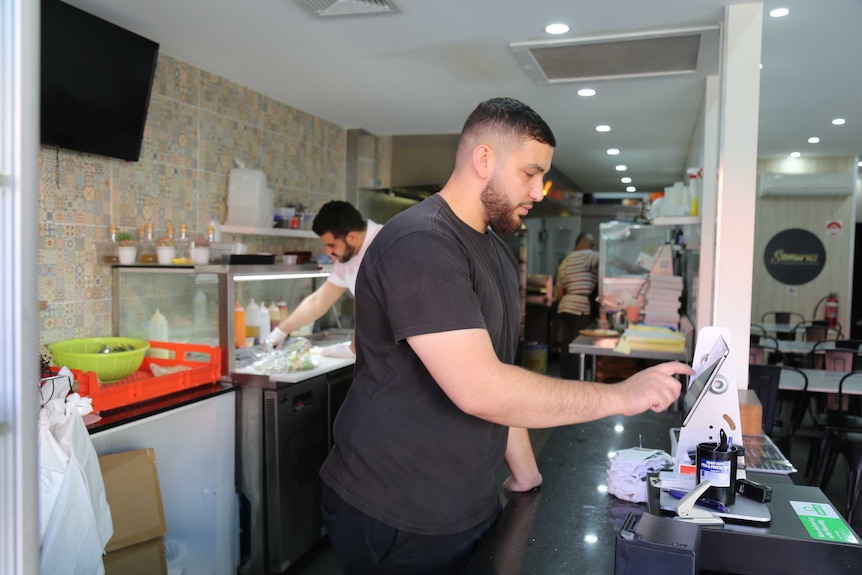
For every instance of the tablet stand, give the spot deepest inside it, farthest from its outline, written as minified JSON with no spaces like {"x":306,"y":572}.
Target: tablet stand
{"x":719,"y":409}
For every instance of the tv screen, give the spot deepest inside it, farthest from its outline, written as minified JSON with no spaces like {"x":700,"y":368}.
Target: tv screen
{"x":95,"y":83}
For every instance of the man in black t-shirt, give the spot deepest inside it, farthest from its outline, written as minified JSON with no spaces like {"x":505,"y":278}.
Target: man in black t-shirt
{"x":436,"y":404}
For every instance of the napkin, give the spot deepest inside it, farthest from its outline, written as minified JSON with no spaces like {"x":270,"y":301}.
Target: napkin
{"x":627,"y":472}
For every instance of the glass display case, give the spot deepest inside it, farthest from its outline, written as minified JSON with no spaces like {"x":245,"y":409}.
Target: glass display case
{"x":625,"y":250}
{"x":195,"y":304}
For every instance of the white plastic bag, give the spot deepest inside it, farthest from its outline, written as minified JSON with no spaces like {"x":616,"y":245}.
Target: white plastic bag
{"x":74,"y":519}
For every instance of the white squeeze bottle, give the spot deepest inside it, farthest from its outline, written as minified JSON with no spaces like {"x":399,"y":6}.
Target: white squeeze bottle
{"x":200,"y":310}
{"x":158,"y":331}
{"x":252,"y":321}
{"x":263,"y":321}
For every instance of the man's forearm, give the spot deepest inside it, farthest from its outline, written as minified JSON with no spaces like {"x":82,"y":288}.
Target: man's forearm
{"x":521,"y":461}
{"x":465,"y":366}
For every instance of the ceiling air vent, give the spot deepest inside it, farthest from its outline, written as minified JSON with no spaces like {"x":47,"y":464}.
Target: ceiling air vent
{"x":350,"y":7}
{"x":688,"y":51}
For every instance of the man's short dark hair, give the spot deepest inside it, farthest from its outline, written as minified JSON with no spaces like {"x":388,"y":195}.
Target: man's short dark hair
{"x":338,"y":218}
{"x":509,"y":118}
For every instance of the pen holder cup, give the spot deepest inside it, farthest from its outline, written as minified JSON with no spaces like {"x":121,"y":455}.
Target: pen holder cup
{"x":720,"y":468}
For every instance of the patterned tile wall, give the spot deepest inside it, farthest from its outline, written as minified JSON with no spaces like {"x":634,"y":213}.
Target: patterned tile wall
{"x":197,"y":124}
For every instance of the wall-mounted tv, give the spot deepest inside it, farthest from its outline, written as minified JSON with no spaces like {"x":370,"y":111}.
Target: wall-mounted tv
{"x":96,"y":79}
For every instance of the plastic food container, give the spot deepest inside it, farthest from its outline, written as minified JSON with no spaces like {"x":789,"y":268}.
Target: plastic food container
{"x":86,"y":354}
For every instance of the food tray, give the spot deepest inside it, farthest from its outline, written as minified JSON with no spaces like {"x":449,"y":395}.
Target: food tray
{"x":600,"y":332}
{"x":143,"y":386}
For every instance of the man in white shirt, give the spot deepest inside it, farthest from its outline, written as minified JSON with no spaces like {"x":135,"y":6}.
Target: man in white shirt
{"x":345,"y":236}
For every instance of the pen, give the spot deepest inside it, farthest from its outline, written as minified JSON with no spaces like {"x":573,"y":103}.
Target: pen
{"x":711,"y":503}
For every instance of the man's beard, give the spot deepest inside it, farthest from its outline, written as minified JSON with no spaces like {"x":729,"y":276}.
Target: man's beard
{"x":349,"y":252}
{"x":500,"y":212}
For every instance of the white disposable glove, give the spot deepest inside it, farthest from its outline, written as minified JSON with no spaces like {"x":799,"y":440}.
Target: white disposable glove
{"x":276,"y":337}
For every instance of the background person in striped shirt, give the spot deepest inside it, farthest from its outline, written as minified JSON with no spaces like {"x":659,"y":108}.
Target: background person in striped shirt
{"x":577,"y":278}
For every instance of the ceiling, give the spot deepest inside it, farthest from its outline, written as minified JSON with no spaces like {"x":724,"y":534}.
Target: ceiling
{"x":421,"y":70}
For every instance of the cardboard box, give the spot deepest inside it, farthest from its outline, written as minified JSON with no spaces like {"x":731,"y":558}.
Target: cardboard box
{"x":750,"y":412}
{"x":147,"y":558}
{"x":132,"y":489}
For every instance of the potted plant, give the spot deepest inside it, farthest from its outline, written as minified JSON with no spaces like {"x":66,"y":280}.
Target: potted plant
{"x":166,"y":250}
{"x":127,"y":249}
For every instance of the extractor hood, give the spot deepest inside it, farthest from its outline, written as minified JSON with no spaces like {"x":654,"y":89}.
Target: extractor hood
{"x":393,"y":162}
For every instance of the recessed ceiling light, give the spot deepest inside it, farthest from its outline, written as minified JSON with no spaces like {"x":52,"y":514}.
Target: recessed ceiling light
{"x":814,"y":140}
{"x":631,"y":189}
{"x":838,"y":122}
{"x":621,"y":168}
{"x":603,"y":128}
{"x":761,"y":66}
{"x":795,"y":154}
{"x":779,"y":12}
{"x":557,"y":28}
{"x":586,"y":92}
{"x":626,"y":180}
{"x":613,"y":152}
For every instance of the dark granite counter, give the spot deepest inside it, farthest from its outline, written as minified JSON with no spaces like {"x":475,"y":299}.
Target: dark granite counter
{"x":570,"y":524}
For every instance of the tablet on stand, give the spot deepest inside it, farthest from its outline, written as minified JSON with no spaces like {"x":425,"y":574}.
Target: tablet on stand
{"x":711,"y":402}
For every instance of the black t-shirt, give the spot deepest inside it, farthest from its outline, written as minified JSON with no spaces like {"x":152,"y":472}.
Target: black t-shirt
{"x":404,"y":453}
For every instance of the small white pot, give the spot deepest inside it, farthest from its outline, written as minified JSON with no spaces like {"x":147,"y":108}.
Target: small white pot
{"x":166,"y":254}
{"x":200,"y":254}
{"x":127,"y":255}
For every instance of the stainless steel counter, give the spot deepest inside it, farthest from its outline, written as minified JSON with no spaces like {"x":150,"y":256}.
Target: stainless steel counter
{"x":605,"y":346}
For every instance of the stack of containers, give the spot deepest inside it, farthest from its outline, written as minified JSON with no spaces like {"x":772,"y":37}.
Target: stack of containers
{"x":249,"y":200}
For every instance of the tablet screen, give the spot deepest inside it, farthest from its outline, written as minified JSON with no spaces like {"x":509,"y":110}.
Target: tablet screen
{"x":702,"y":381}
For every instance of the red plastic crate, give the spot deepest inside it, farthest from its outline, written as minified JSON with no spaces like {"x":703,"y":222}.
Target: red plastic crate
{"x":143,"y":385}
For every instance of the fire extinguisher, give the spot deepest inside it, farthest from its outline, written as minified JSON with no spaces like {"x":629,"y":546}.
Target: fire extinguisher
{"x":830,"y":310}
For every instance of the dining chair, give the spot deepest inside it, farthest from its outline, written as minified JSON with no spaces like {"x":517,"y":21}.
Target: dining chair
{"x":783,"y":317}
{"x":763,"y":349}
{"x":806,"y":423}
{"x":843,"y":436}
{"x":763,"y":380}
{"x":817,"y":330}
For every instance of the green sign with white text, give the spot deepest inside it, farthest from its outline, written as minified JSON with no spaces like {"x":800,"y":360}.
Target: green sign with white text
{"x":823,"y":522}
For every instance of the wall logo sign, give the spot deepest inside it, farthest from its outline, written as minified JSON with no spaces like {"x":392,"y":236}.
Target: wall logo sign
{"x":794,"y":256}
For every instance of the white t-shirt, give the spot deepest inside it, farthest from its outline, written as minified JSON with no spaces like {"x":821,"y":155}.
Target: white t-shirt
{"x":344,"y":274}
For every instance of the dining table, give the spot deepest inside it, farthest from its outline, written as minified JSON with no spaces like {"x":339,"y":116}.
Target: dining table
{"x":772,"y":327}
{"x":820,"y":381}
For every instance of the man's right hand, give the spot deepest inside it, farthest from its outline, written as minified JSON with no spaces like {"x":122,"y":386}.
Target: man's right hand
{"x":654,"y":388}
{"x":276,"y":337}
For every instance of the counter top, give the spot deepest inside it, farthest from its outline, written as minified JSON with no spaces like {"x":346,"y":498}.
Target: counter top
{"x":121,"y":416}
{"x":325,"y":365}
{"x":570,"y":524}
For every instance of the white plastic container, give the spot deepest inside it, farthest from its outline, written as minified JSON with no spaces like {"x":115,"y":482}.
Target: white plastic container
{"x":157,"y":330}
{"x":263,"y":321}
{"x":249,"y":200}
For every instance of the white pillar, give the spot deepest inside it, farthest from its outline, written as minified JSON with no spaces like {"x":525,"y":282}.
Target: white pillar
{"x":708,"y":201}
{"x":737,"y":177}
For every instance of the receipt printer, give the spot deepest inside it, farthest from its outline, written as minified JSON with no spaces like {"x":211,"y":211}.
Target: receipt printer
{"x":653,"y":545}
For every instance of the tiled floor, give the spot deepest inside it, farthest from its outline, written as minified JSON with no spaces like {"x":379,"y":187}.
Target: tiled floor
{"x":321,"y":560}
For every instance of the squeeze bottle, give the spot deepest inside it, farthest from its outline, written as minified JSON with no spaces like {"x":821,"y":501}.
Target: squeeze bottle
{"x":274,"y":316}
{"x":239,"y":324}
{"x":252,"y":323}
{"x":262,"y":321}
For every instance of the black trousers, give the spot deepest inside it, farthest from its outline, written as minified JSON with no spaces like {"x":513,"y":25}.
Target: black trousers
{"x":570,"y":326}
{"x":366,"y":546}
